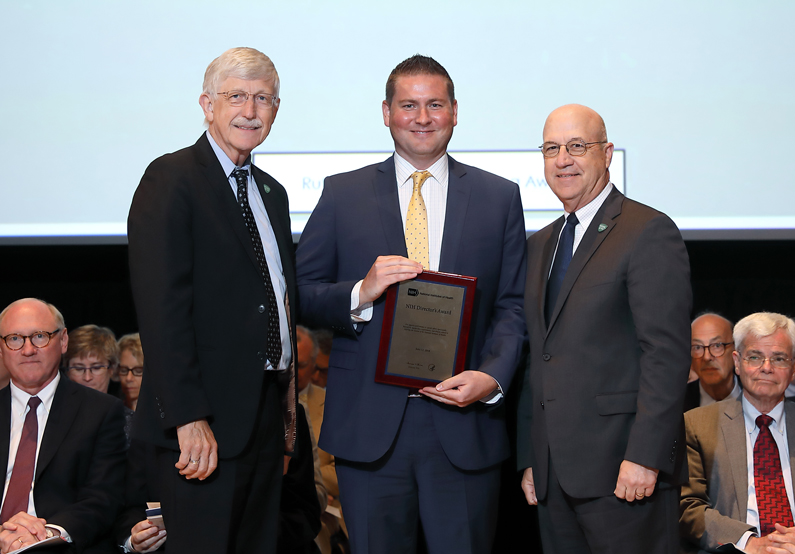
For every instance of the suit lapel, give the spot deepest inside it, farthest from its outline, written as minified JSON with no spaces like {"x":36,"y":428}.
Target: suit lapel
{"x":218,"y":183}
{"x":732,"y":426}
{"x":386,"y":197}
{"x":5,"y":422}
{"x":590,"y":242}
{"x":547,"y":256}
{"x":459,"y":191}
{"x":62,"y":413}
{"x":789,"y":409}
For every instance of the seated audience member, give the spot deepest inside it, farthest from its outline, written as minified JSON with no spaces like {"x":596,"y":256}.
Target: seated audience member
{"x":711,"y":347}
{"x":324,"y":338}
{"x":92,"y":356}
{"x":65,"y":438}
{"x":4,"y":376}
{"x":313,"y":398}
{"x":131,"y":368}
{"x":739,"y":451}
{"x":299,"y":518}
{"x":91,"y":360}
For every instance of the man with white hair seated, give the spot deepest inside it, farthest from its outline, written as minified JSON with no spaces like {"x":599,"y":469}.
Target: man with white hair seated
{"x":739,"y":495}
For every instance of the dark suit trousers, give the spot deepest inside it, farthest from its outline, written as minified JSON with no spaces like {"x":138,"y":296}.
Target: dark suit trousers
{"x":236,"y":509}
{"x":414,"y":481}
{"x":608,"y":525}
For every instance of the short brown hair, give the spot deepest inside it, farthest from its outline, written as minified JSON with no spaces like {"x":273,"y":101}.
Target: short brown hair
{"x":92,"y":339}
{"x":132,"y":343}
{"x":418,"y":65}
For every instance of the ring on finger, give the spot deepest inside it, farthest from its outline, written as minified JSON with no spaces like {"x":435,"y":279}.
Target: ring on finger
{"x":194,"y":461}
{"x":639,"y":494}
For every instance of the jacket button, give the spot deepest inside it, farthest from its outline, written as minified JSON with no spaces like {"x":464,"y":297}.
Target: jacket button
{"x":261,"y":308}
{"x":542,"y":405}
{"x":162,"y":415}
{"x":546,"y":357}
{"x":260,"y":356}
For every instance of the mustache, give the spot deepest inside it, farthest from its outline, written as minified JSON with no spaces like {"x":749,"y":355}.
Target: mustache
{"x":241,"y":121}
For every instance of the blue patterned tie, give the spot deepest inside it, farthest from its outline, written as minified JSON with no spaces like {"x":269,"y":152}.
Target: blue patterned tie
{"x":560,"y":265}
{"x":274,"y":349}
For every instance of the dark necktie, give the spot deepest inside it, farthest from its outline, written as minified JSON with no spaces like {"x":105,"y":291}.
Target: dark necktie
{"x":771,"y":496}
{"x":560,"y":265}
{"x":18,"y":492}
{"x":274,"y":349}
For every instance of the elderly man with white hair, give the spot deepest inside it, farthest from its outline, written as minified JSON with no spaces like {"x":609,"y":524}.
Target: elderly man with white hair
{"x":739,"y":495}
{"x":212,"y":272}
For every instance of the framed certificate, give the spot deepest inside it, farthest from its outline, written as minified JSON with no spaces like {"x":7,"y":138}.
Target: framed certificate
{"x":425,"y":332}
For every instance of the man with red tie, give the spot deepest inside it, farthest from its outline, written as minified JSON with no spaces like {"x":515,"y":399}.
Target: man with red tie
{"x":63,"y":443}
{"x":739,"y":450}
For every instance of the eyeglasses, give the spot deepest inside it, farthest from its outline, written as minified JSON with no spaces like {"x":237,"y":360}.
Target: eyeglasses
{"x":777,"y":361}
{"x":94,"y":369}
{"x":716,"y":349}
{"x":39,"y":339}
{"x":575,"y":147}
{"x":137,"y":370}
{"x":238,"y":98}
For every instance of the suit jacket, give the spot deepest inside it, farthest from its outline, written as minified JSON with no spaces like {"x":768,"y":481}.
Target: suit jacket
{"x":692,"y":396}
{"x":79,"y":481}
{"x":605,"y":382}
{"x":358,"y":219}
{"x":714,"y":501}
{"x":200,"y":299}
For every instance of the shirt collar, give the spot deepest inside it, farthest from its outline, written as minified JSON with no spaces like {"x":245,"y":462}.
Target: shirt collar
{"x":439,"y":170}
{"x":227,"y":164}
{"x":587,"y":212}
{"x":750,"y":413}
{"x":19,"y":398}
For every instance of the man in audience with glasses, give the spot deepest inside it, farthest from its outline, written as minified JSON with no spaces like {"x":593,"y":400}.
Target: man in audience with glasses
{"x":65,"y":438}
{"x":739,"y":451}
{"x":711,"y":347}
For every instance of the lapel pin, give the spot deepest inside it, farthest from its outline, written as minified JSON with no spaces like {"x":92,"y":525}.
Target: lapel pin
{"x":266,"y":188}
{"x":602,"y":227}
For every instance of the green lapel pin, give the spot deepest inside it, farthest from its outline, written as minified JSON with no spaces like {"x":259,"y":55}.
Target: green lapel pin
{"x":267,"y":189}
{"x":602,"y":227}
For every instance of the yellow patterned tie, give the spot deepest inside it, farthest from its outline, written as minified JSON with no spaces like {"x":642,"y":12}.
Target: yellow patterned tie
{"x":417,"y":222}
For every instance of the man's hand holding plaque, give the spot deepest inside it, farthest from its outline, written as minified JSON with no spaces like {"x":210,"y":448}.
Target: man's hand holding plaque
{"x":386,"y":271}
{"x":463,"y":389}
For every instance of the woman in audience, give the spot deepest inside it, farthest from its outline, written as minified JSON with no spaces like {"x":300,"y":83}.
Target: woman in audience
{"x":131,"y":368}
{"x":92,"y":356}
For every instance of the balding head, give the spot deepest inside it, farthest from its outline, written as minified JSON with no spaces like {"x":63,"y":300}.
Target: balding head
{"x":577,"y":180}
{"x":715,"y":372}
{"x":32,"y":368}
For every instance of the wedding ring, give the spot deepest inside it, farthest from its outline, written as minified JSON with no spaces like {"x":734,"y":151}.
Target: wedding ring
{"x":194,"y":462}
{"x":639,"y":494}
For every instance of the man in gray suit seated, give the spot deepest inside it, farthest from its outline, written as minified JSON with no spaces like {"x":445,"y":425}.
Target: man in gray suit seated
{"x":739,"y":495}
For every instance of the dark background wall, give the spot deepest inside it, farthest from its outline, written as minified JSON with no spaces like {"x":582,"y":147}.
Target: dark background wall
{"x":90,"y":284}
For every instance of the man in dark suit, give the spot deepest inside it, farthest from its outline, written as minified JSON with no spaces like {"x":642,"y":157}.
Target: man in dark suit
{"x":600,"y":413}
{"x":212,"y":271}
{"x":431,"y":455}
{"x":720,"y":512}
{"x":711,"y":347}
{"x":65,"y":438}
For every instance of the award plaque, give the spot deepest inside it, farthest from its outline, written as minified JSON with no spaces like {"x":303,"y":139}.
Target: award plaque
{"x":425,"y":330}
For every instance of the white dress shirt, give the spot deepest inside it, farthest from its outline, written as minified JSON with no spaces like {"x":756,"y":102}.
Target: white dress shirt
{"x":269,"y":245}
{"x":779,"y":431}
{"x":19,"y":410}
{"x":584,"y":217}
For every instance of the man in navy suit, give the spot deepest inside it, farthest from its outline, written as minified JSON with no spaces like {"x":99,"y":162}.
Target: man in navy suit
{"x":403,"y":455}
